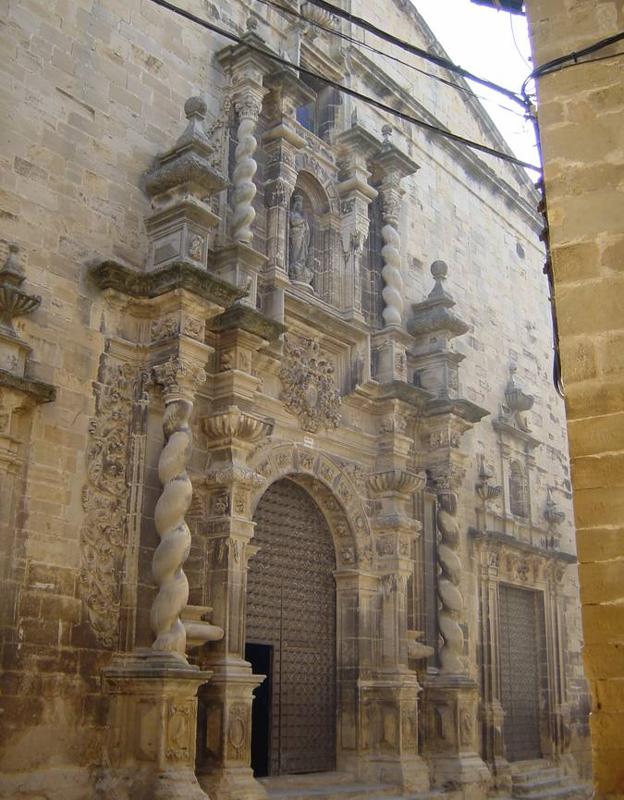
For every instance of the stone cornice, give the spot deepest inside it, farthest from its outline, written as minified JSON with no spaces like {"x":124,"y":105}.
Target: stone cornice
{"x":495,"y":537}
{"x":177,"y":275}
{"x":399,"y":390}
{"x":38,"y":391}
{"x":513,"y":432}
{"x":249,"y":320}
{"x":468,"y":159}
{"x":464,"y":409}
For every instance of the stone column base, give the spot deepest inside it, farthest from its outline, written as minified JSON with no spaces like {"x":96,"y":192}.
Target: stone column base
{"x":391,"y":719}
{"x":409,"y":773}
{"x":152,"y":728}
{"x":225,"y":746}
{"x":450,"y":737}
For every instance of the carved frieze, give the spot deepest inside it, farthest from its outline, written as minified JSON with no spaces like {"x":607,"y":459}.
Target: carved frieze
{"x":308,"y":385}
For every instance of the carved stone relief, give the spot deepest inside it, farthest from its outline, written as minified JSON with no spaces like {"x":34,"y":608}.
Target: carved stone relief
{"x":308,"y":385}
{"x":105,"y":497}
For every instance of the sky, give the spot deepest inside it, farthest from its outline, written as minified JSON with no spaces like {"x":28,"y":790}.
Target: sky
{"x":494,"y":45}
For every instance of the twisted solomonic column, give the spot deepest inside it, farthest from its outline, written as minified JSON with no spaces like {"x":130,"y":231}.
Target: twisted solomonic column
{"x":451,"y":609}
{"x":392,"y":292}
{"x":178,"y":379}
{"x":245,"y":166}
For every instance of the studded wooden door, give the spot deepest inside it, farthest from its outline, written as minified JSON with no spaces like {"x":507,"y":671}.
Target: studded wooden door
{"x":521,"y":645}
{"x":291,"y":605}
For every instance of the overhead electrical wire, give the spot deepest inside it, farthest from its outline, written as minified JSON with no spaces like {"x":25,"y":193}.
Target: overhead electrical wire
{"x":434,"y":129}
{"x":563,"y":62}
{"x":352,"y":40}
{"x":414,"y":50}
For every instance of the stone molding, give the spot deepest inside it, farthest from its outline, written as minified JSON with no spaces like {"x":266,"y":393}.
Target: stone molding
{"x":336,"y":494}
{"x":250,"y":320}
{"x":126,"y":280}
{"x":36,"y":391}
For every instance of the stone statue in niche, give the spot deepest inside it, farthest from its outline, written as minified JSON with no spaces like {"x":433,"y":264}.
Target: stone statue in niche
{"x":299,"y":243}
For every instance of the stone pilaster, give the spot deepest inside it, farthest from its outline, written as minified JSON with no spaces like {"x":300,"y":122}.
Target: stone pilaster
{"x":281,"y":143}
{"x":19,"y":396}
{"x":451,"y":696}
{"x":492,"y":713}
{"x":394,"y":689}
{"x":356,"y":146}
{"x":231,"y":432}
{"x":225,"y":731}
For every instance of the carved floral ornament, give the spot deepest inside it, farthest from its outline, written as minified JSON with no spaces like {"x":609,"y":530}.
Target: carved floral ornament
{"x":178,"y":377}
{"x":308,"y":386}
{"x":105,"y":496}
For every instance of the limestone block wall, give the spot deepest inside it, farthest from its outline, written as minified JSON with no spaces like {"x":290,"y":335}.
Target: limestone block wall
{"x":581,"y":112}
{"x":486,"y":231}
{"x":93,"y":91}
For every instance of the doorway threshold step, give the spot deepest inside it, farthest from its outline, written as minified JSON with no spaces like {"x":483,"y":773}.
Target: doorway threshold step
{"x":325,"y":786}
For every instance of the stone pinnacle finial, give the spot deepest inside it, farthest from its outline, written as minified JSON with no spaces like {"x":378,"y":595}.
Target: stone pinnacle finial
{"x":195,"y":110}
{"x":439,"y":271}
{"x":195,"y":107}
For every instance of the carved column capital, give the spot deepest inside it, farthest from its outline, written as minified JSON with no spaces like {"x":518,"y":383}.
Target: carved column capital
{"x":233,"y":424}
{"x":178,"y":378}
{"x":391,"y":193}
{"x":395,"y":481}
{"x":248,"y":103}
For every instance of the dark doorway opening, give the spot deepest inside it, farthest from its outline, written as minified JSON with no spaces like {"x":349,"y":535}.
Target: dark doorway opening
{"x":260,"y":656}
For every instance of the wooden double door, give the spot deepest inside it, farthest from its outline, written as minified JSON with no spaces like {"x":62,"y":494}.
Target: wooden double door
{"x":291,"y":635}
{"x":522,"y":660}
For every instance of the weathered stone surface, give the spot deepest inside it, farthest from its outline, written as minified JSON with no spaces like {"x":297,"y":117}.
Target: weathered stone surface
{"x":375,"y":423}
{"x":580,"y":115}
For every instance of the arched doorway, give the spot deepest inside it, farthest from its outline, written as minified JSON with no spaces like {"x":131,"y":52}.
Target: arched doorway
{"x":291,"y":634}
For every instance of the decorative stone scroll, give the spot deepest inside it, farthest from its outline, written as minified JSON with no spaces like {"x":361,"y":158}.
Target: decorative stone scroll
{"x":14,"y":302}
{"x":178,"y":378}
{"x":308,"y":387}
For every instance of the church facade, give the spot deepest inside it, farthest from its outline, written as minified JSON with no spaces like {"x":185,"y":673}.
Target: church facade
{"x":284,"y":478}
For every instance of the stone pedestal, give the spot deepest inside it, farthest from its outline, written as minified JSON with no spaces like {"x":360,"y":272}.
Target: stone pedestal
{"x":240,"y":265}
{"x":392,"y":710}
{"x":451,"y":731}
{"x":151,"y":728}
{"x":225,"y":733}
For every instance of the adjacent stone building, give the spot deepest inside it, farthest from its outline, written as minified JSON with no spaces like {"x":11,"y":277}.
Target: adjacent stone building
{"x":275,"y":400}
{"x":581,"y":109}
